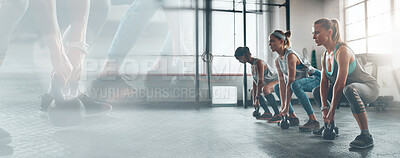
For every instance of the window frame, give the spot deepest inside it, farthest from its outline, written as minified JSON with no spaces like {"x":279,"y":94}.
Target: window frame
{"x":367,"y":35}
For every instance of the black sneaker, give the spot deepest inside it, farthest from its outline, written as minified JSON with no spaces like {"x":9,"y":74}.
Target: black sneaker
{"x":318,"y":132}
{"x":5,"y":137}
{"x":115,"y":91}
{"x":46,"y":100}
{"x":277,"y":118}
{"x":265,"y":116}
{"x":94,"y":108}
{"x":311,"y":125}
{"x":362,"y":141}
{"x":294,"y":121}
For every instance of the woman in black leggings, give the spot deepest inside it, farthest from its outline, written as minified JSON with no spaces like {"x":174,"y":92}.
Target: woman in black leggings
{"x":343,"y":75}
{"x":264,"y":80}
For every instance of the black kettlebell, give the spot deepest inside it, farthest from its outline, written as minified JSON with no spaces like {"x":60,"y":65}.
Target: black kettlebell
{"x":69,"y":112}
{"x":256,"y":112}
{"x":330,"y":131}
{"x":284,"y":122}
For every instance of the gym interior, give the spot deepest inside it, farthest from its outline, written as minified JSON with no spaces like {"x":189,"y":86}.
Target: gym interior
{"x":189,"y":96}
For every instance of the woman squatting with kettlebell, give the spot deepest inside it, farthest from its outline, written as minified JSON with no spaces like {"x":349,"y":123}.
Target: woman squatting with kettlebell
{"x":342,"y":75}
{"x":296,"y":75}
{"x":264,"y":80}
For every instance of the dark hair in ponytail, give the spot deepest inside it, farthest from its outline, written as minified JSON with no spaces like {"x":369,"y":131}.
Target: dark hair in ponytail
{"x":242,"y":51}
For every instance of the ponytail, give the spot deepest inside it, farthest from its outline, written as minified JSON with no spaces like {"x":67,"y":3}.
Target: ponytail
{"x":332,"y":24}
{"x":284,"y":36}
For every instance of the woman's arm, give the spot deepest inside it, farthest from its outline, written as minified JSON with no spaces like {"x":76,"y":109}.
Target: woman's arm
{"x":79,"y":14}
{"x":292,"y":60}
{"x":342,"y":57}
{"x":44,"y":12}
{"x":324,"y":88}
{"x":260,"y":77}
{"x":282,"y":85}
{"x":253,"y":95}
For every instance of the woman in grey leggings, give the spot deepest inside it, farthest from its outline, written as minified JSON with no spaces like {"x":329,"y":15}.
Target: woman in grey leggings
{"x":346,"y":77}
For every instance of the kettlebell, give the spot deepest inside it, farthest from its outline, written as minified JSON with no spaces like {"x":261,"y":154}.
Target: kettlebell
{"x":256,"y":112}
{"x":330,"y":131}
{"x":284,"y":122}
{"x":68,"y":112}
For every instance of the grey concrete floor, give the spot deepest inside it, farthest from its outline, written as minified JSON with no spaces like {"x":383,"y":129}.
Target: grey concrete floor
{"x":149,"y":129}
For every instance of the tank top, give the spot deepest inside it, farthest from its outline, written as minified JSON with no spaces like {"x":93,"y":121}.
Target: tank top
{"x":302,"y":70}
{"x":358,"y":75}
{"x":269,"y":73}
{"x":352,"y":65}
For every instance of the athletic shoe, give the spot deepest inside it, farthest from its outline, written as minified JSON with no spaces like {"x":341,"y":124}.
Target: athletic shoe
{"x":294,"y":121}
{"x":265,"y":116}
{"x":115,"y":91}
{"x":94,"y":108}
{"x":362,"y":141}
{"x":277,"y":118}
{"x":46,"y":100}
{"x":5,"y":137}
{"x":319,"y":131}
{"x":311,"y":125}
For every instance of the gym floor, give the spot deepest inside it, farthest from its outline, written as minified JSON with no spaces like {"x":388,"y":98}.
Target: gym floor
{"x":166,"y":129}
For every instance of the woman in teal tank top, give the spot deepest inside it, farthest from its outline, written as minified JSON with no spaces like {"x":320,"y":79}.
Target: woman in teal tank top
{"x":342,"y":75}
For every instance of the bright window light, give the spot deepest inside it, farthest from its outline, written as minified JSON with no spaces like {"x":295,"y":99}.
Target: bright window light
{"x":379,"y":44}
{"x":351,"y":2}
{"x":355,"y":30}
{"x":382,"y":26}
{"x":358,"y":46}
{"x":355,"y":14}
{"x":397,"y":20}
{"x":379,"y":24}
{"x":396,"y":4}
{"x":378,"y":7}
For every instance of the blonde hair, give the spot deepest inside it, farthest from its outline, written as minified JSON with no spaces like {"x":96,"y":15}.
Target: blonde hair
{"x":332,"y":24}
{"x":286,"y":34}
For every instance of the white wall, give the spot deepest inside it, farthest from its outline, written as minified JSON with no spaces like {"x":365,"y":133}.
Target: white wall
{"x":303,"y":13}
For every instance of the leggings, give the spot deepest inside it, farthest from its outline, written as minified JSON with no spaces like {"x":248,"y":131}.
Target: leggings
{"x":299,"y":87}
{"x":357,"y":94}
{"x":11,"y":12}
{"x":271,"y":101}
{"x":132,"y":25}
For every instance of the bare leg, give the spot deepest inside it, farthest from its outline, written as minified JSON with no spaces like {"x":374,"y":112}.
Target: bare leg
{"x":362,"y":120}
